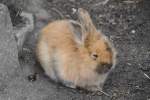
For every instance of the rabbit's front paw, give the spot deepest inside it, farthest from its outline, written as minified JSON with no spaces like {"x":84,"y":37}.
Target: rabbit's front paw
{"x":69,"y":84}
{"x":93,"y":88}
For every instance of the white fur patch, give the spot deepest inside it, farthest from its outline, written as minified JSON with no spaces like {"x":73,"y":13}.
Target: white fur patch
{"x":46,"y":60}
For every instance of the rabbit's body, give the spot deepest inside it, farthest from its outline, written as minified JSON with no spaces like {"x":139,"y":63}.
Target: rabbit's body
{"x":67,"y":60}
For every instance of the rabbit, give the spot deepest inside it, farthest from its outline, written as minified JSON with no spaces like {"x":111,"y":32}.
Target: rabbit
{"x":75,"y":62}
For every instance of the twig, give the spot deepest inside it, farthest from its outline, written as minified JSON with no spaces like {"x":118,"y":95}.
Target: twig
{"x":19,"y":12}
{"x":132,"y":1}
{"x":146,"y":76}
{"x":100,"y":91}
{"x":57,"y":11}
{"x":105,"y":2}
{"x":128,"y":1}
{"x":102,"y":3}
{"x":105,"y":93}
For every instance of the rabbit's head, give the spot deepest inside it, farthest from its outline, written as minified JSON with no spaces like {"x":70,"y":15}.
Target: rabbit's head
{"x":100,"y":50}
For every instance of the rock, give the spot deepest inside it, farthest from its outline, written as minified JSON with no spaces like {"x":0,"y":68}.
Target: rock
{"x":36,"y":7}
{"x":8,"y":48}
{"x":8,"y":53}
{"x":22,"y":32}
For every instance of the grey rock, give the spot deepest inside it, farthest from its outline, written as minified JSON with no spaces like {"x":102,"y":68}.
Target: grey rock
{"x":8,"y":48}
{"x":22,"y":32}
{"x":8,"y":52}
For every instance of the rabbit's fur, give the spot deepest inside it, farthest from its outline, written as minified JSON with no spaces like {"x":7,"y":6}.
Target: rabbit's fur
{"x":75,"y":62}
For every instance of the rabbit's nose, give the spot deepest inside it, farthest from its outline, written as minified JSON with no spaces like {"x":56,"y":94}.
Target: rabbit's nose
{"x":103,"y":68}
{"x":106,"y":67}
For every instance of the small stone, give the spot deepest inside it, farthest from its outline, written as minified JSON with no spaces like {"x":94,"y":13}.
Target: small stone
{"x":74,"y":10}
{"x":112,"y":21}
{"x":137,"y":86}
{"x":133,"y":31}
{"x":32,"y":77}
{"x":129,"y":64}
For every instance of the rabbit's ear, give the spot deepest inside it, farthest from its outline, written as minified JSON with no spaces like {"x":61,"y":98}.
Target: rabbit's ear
{"x":86,"y":21}
{"x":76,"y":27}
{"x":89,"y":31}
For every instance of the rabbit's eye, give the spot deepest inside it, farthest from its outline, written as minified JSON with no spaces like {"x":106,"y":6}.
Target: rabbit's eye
{"x":108,"y":49}
{"x":94,"y":56}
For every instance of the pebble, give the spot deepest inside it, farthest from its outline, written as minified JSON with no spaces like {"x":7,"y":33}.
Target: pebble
{"x":74,"y":10}
{"x":133,"y":31}
{"x":32,"y":77}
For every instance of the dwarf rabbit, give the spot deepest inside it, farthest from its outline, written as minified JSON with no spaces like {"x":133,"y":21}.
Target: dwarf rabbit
{"x":75,"y":62}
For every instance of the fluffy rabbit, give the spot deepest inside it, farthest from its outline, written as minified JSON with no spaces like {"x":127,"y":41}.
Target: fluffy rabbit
{"x":75,"y":62}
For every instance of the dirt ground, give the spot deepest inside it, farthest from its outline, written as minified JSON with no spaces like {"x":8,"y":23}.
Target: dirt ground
{"x":127,"y":24}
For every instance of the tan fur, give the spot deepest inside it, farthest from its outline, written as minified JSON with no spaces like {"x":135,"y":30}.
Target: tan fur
{"x":67,"y":61}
